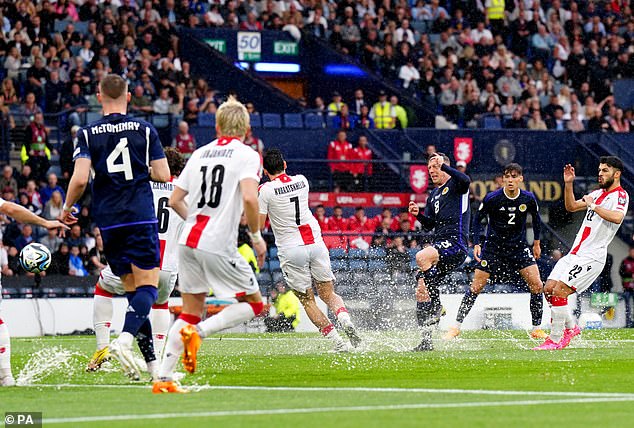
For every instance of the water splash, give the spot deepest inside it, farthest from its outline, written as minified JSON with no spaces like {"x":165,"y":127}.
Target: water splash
{"x":45,"y":362}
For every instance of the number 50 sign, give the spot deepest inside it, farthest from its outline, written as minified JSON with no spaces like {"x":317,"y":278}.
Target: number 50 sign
{"x":249,"y":46}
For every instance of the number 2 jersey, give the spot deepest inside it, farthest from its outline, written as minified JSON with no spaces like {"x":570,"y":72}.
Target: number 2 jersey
{"x":285,"y":200}
{"x":595,"y":233}
{"x":170,"y":226}
{"x":212,"y":179}
{"x":120,"y":149}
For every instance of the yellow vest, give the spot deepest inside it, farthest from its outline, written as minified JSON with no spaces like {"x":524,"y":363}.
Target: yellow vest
{"x":249,"y":255}
{"x":496,"y":10}
{"x":287,"y":305}
{"x":382,"y":115}
{"x":334,"y":108}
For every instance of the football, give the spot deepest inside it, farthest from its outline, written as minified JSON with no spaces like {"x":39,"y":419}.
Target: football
{"x":35,"y":258}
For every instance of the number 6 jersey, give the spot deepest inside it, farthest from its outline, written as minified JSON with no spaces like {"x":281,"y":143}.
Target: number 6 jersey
{"x":170,"y":226}
{"x":212,"y":179}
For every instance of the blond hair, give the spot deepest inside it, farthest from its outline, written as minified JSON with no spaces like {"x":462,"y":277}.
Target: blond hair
{"x":232,"y":118}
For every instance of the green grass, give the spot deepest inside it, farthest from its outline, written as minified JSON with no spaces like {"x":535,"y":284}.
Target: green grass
{"x":291,"y":380}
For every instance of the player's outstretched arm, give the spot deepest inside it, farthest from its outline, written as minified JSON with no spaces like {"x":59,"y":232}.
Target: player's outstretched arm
{"x":23,"y":215}
{"x":177,"y":202}
{"x":249,"y":189}
{"x":160,"y":170}
{"x":572,"y":204}
{"x":428,"y":223}
{"x":76,"y":187}
{"x":613,"y":216}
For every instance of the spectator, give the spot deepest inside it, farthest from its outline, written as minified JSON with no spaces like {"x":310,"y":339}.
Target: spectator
{"x":359,"y":102}
{"x":334,"y":108}
{"x":54,"y":205}
{"x":451,"y":99}
{"x":255,"y":143}
{"x":139,"y":102}
{"x":383,"y":113}
{"x":7,"y":179}
{"x":96,"y":255}
{"x":75,"y":101}
{"x":76,"y":263}
{"x":596,"y":122}
{"x":287,"y":310}
{"x":364,"y":120}
{"x":74,"y":237}
{"x":361,"y":226}
{"x":409,"y":75}
{"x":25,"y":176}
{"x":397,"y":257}
{"x":51,"y":240}
{"x":626,"y":271}
{"x":557,"y":121}
{"x":361,"y":171}
{"x":618,"y":123}
{"x":36,"y":77}
{"x":66,"y":154}
{"x":320,"y":216}
{"x":343,"y":120}
{"x":25,"y":238}
{"x":184,"y":142}
{"x":162,"y":104}
{"x":54,"y":90}
{"x":60,"y":260}
{"x":340,"y":149}
{"x":25,"y":202}
{"x":516,"y":121}
{"x":574,"y":123}
{"x":536,"y":122}
{"x":29,"y":109}
{"x":36,"y":150}
{"x":50,"y":188}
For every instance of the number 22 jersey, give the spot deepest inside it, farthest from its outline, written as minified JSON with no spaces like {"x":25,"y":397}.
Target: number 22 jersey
{"x":212,"y":179}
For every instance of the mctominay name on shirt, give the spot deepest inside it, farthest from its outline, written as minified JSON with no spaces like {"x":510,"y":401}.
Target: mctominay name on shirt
{"x":290,"y":188}
{"x":114,"y":128}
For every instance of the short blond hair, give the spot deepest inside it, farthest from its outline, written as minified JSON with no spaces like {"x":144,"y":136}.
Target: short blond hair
{"x":232,"y":118}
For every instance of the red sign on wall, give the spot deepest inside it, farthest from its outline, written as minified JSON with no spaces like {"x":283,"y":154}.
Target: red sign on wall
{"x":463,"y":149}
{"x":389,"y":200}
{"x":419,"y":178}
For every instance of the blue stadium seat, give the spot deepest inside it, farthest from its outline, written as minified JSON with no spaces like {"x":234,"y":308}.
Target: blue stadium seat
{"x":376,"y":265}
{"x":376,"y":253}
{"x":293,"y":120}
{"x":60,"y":25}
{"x":273,"y":253}
{"x":81,"y":27}
{"x":271,"y":120}
{"x":207,"y":119}
{"x":313,"y":121}
{"x":330,"y":121}
{"x":91,"y":116}
{"x":256,"y":120}
{"x":274,"y":265}
{"x":492,"y":122}
{"x":338,"y":264}
{"x":356,"y":253}
{"x":358,"y":264}
{"x":337,"y":253}
{"x":160,"y":120}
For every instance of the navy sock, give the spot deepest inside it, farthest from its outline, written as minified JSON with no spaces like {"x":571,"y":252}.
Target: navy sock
{"x":537,"y":308}
{"x":145,"y":341}
{"x":139,"y":308}
{"x":465,"y":306}
{"x":423,"y":312}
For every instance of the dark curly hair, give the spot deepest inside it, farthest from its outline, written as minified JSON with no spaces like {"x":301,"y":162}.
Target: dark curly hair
{"x":175,"y":161}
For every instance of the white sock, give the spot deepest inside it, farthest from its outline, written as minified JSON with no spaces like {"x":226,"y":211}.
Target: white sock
{"x":160,"y":319}
{"x":125,"y":339}
{"x":334,"y":336}
{"x":570,"y":322}
{"x":152,"y":368}
{"x":559,"y":314}
{"x":5,"y":350}
{"x":344,"y":319}
{"x":231,"y":316}
{"x":173,"y":349}
{"x":102,"y":319}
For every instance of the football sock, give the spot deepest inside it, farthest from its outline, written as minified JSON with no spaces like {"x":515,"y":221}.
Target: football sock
{"x":331,"y":333}
{"x":145,"y":342}
{"x":141,"y":302}
{"x":102,"y":318}
{"x":466,"y":305}
{"x":173,"y":349}
{"x":160,"y":318}
{"x":424,"y":311}
{"x":344,"y":317}
{"x":5,"y":350}
{"x":230,"y":316}
{"x":570,"y":322}
{"x":559,"y":314}
{"x":537,"y":308}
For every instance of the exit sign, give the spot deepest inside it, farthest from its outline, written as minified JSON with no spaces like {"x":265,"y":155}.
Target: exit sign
{"x":285,"y":48}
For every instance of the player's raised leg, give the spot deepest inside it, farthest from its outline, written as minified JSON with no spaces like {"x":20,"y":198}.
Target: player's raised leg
{"x":321,"y":321}
{"x":480,"y":279}
{"x":335,"y":303}
{"x":535,"y":286}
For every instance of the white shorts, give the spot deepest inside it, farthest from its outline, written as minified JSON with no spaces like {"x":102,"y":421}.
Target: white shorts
{"x":576,"y":271}
{"x":227,"y":275}
{"x":111,"y":283}
{"x":302,"y":264}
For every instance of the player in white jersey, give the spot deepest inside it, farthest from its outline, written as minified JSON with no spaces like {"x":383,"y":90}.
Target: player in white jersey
{"x":301,"y":249}
{"x":23,"y":215}
{"x":170,"y":225}
{"x":221,"y":180}
{"x":605,"y":210}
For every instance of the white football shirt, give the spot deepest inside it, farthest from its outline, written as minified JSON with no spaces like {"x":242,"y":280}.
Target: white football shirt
{"x":212,"y":179}
{"x":595,"y":233}
{"x":285,"y":200}
{"x":170,"y":225}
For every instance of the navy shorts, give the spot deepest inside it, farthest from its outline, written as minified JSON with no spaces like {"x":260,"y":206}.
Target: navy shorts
{"x":136,"y":245}
{"x":496,"y":260}
{"x":451,"y":257}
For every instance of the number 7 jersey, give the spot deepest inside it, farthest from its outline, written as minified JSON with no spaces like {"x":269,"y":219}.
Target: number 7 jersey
{"x":285,"y":200}
{"x":212,"y":179}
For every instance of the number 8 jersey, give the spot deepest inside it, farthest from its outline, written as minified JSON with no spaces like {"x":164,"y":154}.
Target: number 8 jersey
{"x":212,"y":179}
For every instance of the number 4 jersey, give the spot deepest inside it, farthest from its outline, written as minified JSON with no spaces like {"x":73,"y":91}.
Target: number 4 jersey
{"x":120,"y":149}
{"x":285,"y":200}
{"x":212,"y":179}
{"x":170,"y":226}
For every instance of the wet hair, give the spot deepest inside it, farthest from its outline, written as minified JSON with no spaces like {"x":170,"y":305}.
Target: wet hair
{"x":513,"y":167}
{"x":174,"y":160}
{"x":273,"y":161}
{"x":612,"y":161}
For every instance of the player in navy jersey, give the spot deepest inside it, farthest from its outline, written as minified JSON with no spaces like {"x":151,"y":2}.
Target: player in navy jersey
{"x":505,"y":247}
{"x":447,"y":212}
{"x":125,"y":154}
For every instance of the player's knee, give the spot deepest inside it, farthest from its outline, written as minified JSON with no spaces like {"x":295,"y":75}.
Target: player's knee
{"x":257,"y":307}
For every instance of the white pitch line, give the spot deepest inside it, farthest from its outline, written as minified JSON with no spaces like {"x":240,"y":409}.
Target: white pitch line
{"x":360,"y":389}
{"x":227,"y":413}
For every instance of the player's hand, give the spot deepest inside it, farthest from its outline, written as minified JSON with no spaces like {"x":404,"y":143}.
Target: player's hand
{"x":569,"y":174}
{"x":477,"y":252}
{"x":68,"y":217}
{"x":413,"y":208}
{"x":55,"y":224}
{"x":435,"y":160}
{"x":588,"y":200}
{"x":537,"y":250}
{"x":260,"y":252}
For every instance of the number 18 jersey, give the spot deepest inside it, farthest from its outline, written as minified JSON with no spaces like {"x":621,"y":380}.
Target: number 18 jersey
{"x":285,"y":200}
{"x":212,"y":179}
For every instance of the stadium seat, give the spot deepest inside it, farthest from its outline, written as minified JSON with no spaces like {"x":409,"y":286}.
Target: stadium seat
{"x":274,"y":265}
{"x":356,"y":253}
{"x":492,"y":122}
{"x":271,"y":120}
{"x":376,"y":253}
{"x":256,"y":120}
{"x":273,"y":253}
{"x":160,"y":120}
{"x":60,"y":25}
{"x":358,"y":264}
{"x":207,"y":119}
{"x":91,"y":116}
{"x":313,"y":121}
{"x":338,"y":264}
{"x":376,"y":265}
{"x":330,"y":121}
{"x":293,"y":120}
{"x":337,"y":253}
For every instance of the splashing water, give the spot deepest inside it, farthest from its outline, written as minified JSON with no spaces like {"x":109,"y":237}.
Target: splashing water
{"x":45,"y":362}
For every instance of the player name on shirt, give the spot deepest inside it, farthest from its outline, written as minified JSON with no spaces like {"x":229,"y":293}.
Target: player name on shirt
{"x":112,"y":128}
{"x":290,"y":188}
{"x":217,"y":153}
{"x":162,"y":186}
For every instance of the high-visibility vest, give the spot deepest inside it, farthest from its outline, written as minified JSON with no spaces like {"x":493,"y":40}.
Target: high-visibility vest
{"x":496,"y":10}
{"x":383,"y":118}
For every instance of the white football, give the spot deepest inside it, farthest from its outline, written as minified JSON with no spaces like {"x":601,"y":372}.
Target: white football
{"x":35,"y":258}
